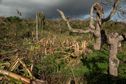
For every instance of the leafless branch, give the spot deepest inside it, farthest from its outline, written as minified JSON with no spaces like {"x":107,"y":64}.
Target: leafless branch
{"x":69,"y":26}
{"x":112,"y":12}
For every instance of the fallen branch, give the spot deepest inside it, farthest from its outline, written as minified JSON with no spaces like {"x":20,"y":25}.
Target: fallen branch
{"x":14,"y":64}
{"x":21,"y":78}
{"x":24,"y":65}
{"x":15,"y":76}
{"x":17,"y":63}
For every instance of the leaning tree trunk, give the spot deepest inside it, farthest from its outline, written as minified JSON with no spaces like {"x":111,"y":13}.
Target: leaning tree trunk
{"x":114,"y":40}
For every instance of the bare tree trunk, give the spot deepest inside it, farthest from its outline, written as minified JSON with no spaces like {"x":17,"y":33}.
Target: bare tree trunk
{"x":94,"y":29}
{"x":97,"y":34}
{"x":114,"y":39}
{"x":37,"y":25}
{"x":97,"y":44}
{"x":99,"y":21}
{"x":113,"y":61}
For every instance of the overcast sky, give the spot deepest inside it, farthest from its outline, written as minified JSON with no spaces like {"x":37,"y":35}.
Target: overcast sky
{"x":71,"y":8}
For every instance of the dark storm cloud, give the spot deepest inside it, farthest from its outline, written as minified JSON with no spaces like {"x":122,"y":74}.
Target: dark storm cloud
{"x":71,"y":8}
{"x":28,"y":8}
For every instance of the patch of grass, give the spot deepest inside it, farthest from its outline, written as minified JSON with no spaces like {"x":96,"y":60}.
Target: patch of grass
{"x":21,"y":34}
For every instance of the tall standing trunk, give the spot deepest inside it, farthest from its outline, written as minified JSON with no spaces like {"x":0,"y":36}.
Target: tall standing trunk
{"x":37,"y":25}
{"x":99,"y":21}
{"x":97,"y":44}
{"x":113,"y":60}
{"x":114,"y":40}
{"x":97,"y":34}
{"x":95,"y":26}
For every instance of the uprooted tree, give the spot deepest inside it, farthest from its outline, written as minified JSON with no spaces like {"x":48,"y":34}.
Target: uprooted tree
{"x":95,"y":23}
{"x":114,"y":39}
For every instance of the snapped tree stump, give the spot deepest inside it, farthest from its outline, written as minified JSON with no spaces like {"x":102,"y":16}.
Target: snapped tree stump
{"x":114,"y":39}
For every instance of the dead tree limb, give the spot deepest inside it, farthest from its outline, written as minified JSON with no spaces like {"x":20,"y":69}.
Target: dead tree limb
{"x":114,"y":39}
{"x":113,"y":11}
{"x":14,"y":64}
{"x":15,"y":76}
{"x":24,"y":65}
{"x":69,"y":26}
{"x":17,"y":62}
{"x":21,"y":78}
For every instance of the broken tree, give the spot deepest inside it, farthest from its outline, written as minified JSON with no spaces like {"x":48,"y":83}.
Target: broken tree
{"x":95,"y":23}
{"x":40,"y":23}
{"x":95,"y":27}
{"x":114,"y":39}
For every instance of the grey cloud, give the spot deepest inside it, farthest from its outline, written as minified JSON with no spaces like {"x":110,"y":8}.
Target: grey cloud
{"x":71,"y":8}
{"x":28,"y":8}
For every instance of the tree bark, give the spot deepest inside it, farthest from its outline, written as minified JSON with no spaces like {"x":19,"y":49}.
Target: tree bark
{"x":114,"y":40}
{"x":97,"y":34}
{"x":113,"y":61}
{"x":96,"y":28}
{"x":97,"y":44}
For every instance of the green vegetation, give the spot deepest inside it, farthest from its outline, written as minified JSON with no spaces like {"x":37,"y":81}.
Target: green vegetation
{"x":53,"y":55}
